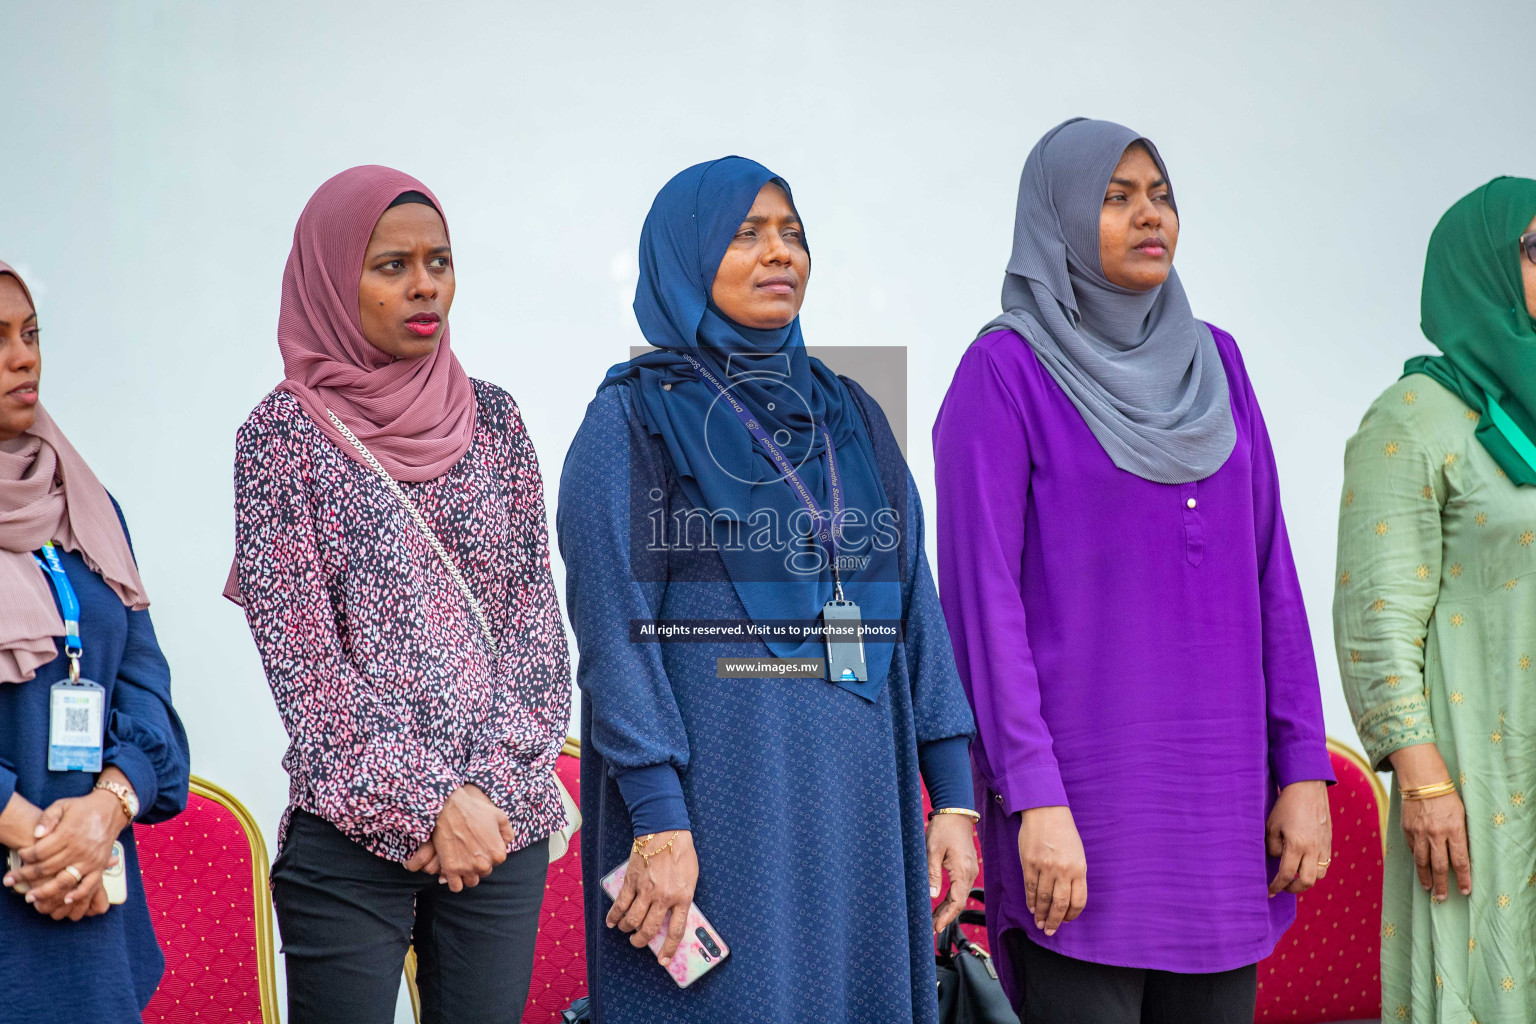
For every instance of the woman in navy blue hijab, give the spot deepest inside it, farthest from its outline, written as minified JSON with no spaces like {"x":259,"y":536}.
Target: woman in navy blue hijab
{"x":727,"y":481}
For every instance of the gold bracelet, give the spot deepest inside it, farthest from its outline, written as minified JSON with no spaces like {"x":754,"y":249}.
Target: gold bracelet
{"x":1445,"y":788}
{"x":646,"y":855}
{"x":954,"y":810}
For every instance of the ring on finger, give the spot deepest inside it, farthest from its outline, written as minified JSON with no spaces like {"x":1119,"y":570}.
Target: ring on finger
{"x":74,"y":872}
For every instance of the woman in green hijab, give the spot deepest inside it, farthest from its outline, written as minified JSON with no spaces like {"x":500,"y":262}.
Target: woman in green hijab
{"x":1434,"y":618}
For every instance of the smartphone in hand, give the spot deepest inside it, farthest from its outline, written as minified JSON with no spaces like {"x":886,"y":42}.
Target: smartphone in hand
{"x":702,"y":947}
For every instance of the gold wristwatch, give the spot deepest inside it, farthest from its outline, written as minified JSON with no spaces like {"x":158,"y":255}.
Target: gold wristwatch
{"x":125,"y":796}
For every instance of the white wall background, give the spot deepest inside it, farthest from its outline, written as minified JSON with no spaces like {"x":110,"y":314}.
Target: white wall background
{"x":156,"y":155}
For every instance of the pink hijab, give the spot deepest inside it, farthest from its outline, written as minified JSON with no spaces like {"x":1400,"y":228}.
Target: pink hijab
{"x":417,"y":416}
{"x":47,"y":492}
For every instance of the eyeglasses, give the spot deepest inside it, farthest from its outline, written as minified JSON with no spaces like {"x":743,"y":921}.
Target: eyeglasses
{"x":1528,"y":244}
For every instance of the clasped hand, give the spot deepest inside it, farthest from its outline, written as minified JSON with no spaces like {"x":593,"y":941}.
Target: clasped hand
{"x":470,"y":839}
{"x":74,"y":832}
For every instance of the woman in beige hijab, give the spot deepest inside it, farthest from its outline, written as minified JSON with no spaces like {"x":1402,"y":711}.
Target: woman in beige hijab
{"x":89,"y":742}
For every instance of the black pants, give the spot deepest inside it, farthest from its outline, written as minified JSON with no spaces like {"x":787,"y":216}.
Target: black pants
{"x":1060,"y":990}
{"x":347,"y":918}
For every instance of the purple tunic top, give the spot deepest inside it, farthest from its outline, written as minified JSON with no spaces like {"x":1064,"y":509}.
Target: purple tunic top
{"x":1136,"y":651}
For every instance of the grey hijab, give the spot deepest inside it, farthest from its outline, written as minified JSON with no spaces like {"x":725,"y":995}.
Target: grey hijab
{"x":1144,"y":373}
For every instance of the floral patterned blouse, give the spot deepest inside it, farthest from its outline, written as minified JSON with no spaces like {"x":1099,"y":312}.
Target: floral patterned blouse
{"x":389,"y":694}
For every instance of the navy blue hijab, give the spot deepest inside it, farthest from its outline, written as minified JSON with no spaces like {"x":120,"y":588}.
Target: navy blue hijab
{"x":796,"y":399}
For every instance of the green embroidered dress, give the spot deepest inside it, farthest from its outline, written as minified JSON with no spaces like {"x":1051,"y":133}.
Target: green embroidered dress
{"x":1435,"y":624}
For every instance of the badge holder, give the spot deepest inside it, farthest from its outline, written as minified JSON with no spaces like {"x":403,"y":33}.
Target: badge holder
{"x":75,"y":716}
{"x":844,"y":638}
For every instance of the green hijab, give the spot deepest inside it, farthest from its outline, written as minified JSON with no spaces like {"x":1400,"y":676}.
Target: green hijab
{"x":1473,"y":310}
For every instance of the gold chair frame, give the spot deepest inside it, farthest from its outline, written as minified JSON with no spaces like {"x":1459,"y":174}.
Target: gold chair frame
{"x":261,"y":897}
{"x":1354,"y":756}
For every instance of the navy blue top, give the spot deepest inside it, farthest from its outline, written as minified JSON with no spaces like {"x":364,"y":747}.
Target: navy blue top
{"x":804,"y":799}
{"x":102,"y":969}
{"x":654,"y":795}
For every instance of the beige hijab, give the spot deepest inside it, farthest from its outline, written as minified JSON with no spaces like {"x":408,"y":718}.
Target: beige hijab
{"x":47,"y":492}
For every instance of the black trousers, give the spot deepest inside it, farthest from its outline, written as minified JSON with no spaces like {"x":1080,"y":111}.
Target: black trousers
{"x":348,"y":916}
{"x":1060,"y":990}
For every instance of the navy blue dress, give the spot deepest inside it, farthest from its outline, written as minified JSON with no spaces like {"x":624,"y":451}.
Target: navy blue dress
{"x":804,"y":799}
{"x":101,"y":969}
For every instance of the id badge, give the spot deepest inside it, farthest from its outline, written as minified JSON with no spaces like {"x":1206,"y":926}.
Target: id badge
{"x":75,"y":726}
{"x":845,"y":642}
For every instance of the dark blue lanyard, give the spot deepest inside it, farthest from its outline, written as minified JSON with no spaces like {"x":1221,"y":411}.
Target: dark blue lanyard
{"x":68,"y":603}
{"x":826,"y":528}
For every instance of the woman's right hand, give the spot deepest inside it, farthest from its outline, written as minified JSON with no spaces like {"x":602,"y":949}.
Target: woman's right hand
{"x":18,"y":828}
{"x":1435,"y":829}
{"x":652,"y":890}
{"x":87,"y":899}
{"x":73,"y":847}
{"x":1055,"y":868}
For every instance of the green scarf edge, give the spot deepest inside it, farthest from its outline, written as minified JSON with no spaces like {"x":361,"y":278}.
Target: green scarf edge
{"x":1496,"y":431}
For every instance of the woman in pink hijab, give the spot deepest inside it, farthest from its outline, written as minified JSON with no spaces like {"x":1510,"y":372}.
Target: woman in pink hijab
{"x":392,"y":558}
{"x":89,"y":742}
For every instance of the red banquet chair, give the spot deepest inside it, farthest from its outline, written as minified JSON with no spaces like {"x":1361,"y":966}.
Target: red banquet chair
{"x":205,"y":877}
{"x":560,"y":952}
{"x":1327,"y":968}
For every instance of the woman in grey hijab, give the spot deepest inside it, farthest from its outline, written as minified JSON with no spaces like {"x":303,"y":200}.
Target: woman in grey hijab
{"x":1125,"y":612}
{"x":1141,"y":369}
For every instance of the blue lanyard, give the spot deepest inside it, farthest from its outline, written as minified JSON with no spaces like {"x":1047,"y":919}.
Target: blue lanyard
{"x":826,"y":528}
{"x":68,"y":602}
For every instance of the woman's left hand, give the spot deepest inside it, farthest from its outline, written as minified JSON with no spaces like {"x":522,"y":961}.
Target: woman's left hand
{"x":75,"y":832}
{"x":950,"y":848}
{"x":425,"y":860}
{"x":1301,"y":835}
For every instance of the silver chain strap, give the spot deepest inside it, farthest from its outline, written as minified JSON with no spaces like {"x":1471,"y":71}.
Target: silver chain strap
{"x":421,"y":522}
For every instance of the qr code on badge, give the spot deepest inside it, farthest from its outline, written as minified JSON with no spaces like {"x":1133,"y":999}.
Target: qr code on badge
{"x":77,"y":720}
